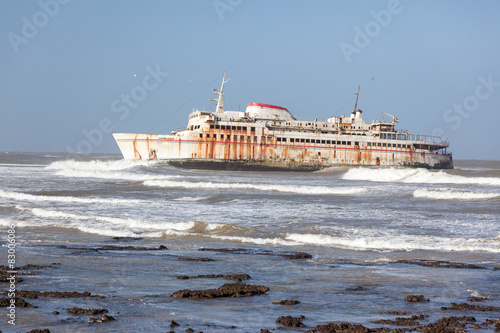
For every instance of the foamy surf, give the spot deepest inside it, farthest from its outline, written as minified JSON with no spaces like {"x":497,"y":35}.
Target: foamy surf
{"x":399,"y":243}
{"x":448,"y":194}
{"x":96,"y":165}
{"x":65,"y":199}
{"x":405,"y":175}
{"x":145,"y":228}
{"x":310,"y":190}
{"x":120,"y":170}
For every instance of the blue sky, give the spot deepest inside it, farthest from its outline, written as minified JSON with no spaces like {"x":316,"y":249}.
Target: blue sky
{"x":66,"y":65}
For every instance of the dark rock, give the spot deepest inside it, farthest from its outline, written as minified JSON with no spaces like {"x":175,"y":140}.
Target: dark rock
{"x":470,"y":307}
{"x":19,"y":302}
{"x":127,"y":238}
{"x":189,"y":330}
{"x":32,"y":294}
{"x":477,"y":299}
{"x":412,"y":321}
{"x":237,"y":250}
{"x":208,"y":276}
{"x":342,"y":328}
{"x":358,"y":288}
{"x":195,"y":259}
{"x":291,"y":321}
{"x":104,"y":318}
{"x":8,"y":279}
{"x":263,"y":330}
{"x":182,"y":277}
{"x":236,"y":277}
{"x":297,"y":255}
{"x":288,"y":255}
{"x":226,"y":290}
{"x":55,"y":312}
{"x":115,"y":248}
{"x":28,"y":267}
{"x":447,"y":324}
{"x":80,"y":311}
{"x":39,"y":331}
{"x":415,"y":298}
{"x":397,"y":313}
{"x":286,"y":302}
{"x":439,"y":264}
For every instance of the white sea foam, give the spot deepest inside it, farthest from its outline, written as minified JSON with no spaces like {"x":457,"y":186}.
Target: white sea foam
{"x":6,"y":222}
{"x":131,"y":223}
{"x":70,"y":173}
{"x":65,"y":199}
{"x":448,"y":194}
{"x":121,"y":169}
{"x":314,"y":190}
{"x":96,"y":165}
{"x":145,"y":228}
{"x":415,"y":176}
{"x":108,"y":232}
{"x":399,"y":242}
{"x":190,"y":198}
{"x":276,"y":241}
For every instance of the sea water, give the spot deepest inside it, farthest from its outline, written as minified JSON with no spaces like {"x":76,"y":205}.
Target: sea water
{"x":357,"y":223}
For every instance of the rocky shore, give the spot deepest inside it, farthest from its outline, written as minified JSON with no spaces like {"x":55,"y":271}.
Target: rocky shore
{"x":399,"y":320}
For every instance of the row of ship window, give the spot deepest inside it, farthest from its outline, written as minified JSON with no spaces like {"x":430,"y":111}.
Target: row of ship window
{"x":233,"y":128}
{"x":294,"y":140}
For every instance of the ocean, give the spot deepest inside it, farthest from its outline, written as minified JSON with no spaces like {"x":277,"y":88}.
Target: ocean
{"x":347,"y":243}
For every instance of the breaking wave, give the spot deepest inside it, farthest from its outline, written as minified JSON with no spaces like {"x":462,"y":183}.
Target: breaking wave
{"x":399,"y":243}
{"x":120,"y":169}
{"x":314,"y":190}
{"x":96,"y":165}
{"x":131,"y":223}
{"x":6,"y":223}
{"x":110,"y":226}
{"x":66,"y":199}
{"x":448,"y":194}
{"x":415,"y":176}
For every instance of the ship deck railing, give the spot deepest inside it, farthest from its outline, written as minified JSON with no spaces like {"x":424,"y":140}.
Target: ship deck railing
{"x":416,"y":138}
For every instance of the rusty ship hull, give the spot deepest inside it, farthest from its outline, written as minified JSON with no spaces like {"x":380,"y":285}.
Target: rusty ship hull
{"x":269,"y":137}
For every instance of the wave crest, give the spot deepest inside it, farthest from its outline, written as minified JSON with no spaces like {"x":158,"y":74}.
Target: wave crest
{"x":448,"y":194}
{"x":314,"y":190}
{"x":415,"y":176}
{"x":65,"y":199}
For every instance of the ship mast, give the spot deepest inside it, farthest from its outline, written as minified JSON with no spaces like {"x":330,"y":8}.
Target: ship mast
{"x":357,"y":96}
{"x":220,"y":100}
